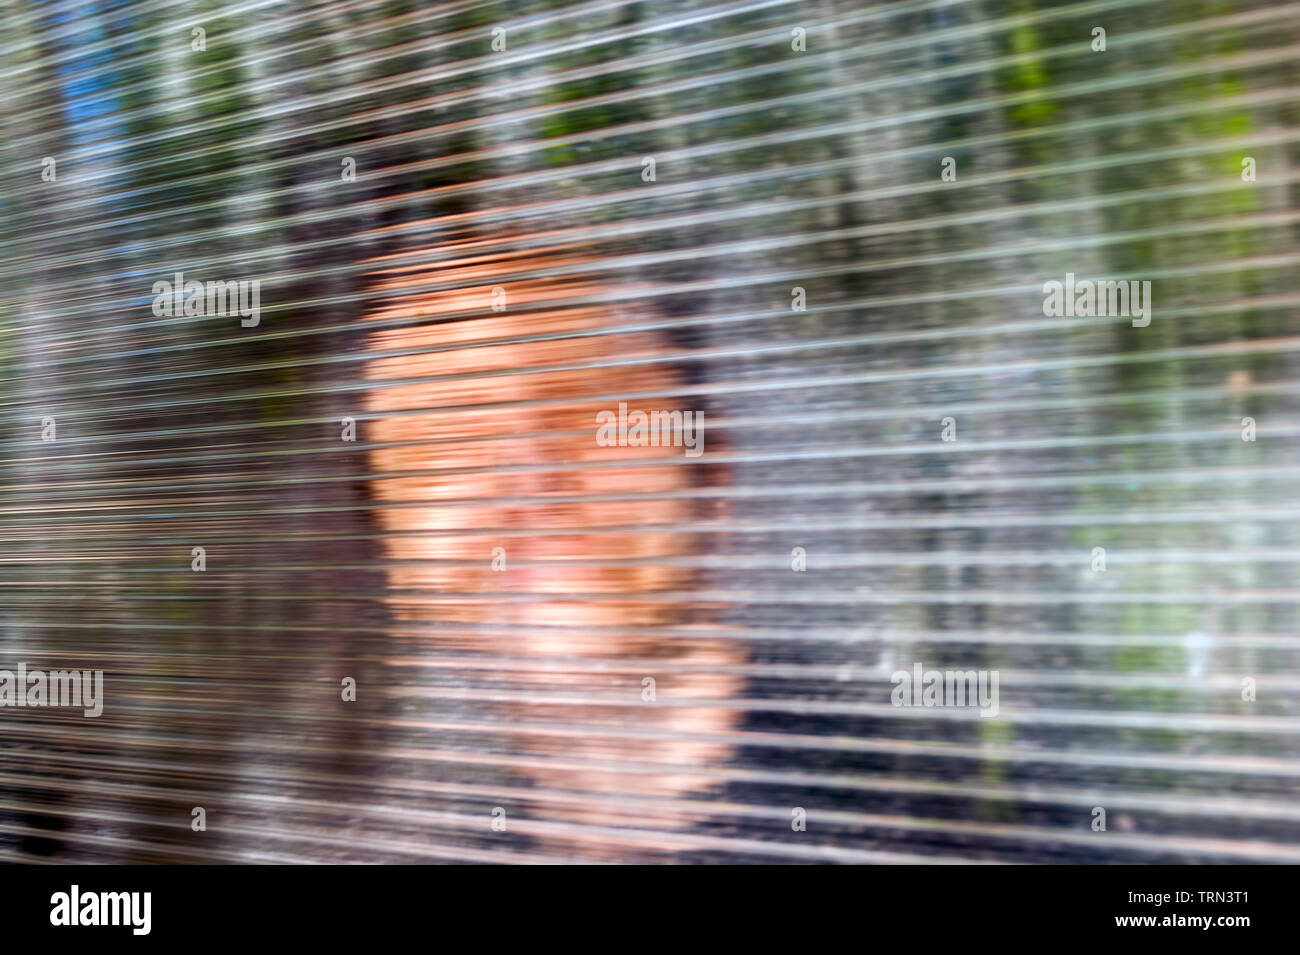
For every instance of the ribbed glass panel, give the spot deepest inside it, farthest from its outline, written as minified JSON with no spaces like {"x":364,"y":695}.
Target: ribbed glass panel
{"x":479,"y":230}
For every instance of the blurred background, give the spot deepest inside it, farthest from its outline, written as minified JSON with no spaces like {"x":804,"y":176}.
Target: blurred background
{"x":795,"y":265}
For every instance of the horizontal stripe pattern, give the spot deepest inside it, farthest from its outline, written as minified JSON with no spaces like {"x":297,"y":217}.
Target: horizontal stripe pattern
{"x":466,"y":254}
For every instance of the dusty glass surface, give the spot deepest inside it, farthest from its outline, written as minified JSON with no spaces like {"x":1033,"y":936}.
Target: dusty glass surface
{"x":821,"y":234}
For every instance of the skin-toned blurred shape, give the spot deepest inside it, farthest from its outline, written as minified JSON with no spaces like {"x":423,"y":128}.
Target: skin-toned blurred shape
{"x":517,"y":466}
